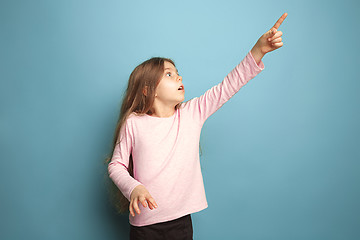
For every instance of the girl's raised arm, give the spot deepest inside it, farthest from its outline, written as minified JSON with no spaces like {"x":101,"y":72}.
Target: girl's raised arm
{"x":208,"y":103}
{"x":204,"y":106}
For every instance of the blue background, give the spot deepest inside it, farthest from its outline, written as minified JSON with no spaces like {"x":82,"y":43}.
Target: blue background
{"x":280,"y":160}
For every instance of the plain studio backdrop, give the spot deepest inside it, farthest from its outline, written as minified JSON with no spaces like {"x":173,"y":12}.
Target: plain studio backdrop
{"x":280,"y":159}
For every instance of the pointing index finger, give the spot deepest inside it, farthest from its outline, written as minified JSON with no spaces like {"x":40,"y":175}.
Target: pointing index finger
{"x":279,"y":22}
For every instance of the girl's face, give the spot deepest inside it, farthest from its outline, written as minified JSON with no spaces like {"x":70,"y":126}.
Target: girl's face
{"x":170,"y":89}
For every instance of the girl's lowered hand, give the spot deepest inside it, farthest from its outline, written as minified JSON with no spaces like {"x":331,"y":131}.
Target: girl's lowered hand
{"x":140,"y":194}
{"x":271,"y":40}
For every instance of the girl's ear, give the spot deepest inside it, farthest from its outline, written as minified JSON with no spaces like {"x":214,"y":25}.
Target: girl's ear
{"x":145,"y":90}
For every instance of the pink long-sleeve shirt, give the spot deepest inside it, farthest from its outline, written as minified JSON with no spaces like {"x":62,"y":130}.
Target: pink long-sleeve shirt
{"x":165,"y":151}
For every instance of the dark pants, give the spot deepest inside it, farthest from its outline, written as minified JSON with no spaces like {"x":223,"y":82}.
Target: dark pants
{"x":178,"y":229}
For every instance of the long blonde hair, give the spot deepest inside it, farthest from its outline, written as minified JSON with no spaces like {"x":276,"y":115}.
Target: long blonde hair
{"x":146,"y":75}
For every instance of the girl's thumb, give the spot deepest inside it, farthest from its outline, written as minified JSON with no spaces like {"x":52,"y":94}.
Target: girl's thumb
{"x":272,"y":32}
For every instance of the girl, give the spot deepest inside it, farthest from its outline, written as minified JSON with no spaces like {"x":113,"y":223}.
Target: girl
{"x":155,"y":159}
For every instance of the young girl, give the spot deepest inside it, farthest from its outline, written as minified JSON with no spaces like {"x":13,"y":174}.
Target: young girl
{"x":155,"y":162}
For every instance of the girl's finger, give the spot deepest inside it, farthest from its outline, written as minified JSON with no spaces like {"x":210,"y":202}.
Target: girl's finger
{"x":153,"y":202}
{"x":280,"y":21}
{"x":136,"y":207}
{"x":150,"y":205}
{"x":149,"y":199}
{"x":276,"y":40}
{"x":143,"y":201}
{"x":277,"y":45}
{"x":131,"y":209}
{"x":277,"y":34}
{"x":271,"y":33}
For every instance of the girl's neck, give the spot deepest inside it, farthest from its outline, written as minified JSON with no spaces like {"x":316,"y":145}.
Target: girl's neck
{"x":163,"y":112}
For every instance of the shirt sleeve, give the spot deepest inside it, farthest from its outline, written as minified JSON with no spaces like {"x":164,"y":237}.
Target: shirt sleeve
{"x":118,"y":166}
{"x":208,"y":103}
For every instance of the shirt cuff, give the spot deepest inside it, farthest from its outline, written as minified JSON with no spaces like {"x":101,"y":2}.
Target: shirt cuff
{"x":260,"y":66}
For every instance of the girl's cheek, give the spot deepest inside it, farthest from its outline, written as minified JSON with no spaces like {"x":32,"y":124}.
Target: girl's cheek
{"x":170,"y":86}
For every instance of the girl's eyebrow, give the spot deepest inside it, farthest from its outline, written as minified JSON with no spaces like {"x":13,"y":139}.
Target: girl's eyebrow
{"x":171,"y":69}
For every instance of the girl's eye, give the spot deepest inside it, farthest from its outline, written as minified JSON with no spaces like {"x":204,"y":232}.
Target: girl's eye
{"x":170,"y":74}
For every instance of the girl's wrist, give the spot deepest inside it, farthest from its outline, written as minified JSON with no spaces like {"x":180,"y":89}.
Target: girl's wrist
{"x":257,"y":54}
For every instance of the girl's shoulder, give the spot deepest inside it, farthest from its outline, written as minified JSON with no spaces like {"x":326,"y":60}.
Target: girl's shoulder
{"x":188,"y":104}
{"x":135,"y":116}
{"x":132,"y":116}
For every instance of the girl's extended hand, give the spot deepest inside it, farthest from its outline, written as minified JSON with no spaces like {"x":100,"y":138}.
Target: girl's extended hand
{"x":140,"y":193}
{"x":271,"y":40}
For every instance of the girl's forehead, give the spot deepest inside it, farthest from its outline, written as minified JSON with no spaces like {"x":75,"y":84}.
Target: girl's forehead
{"x":169,"y":66}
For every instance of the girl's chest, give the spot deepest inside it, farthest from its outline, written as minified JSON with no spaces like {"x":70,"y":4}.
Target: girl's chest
{"x":155,"y":138}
